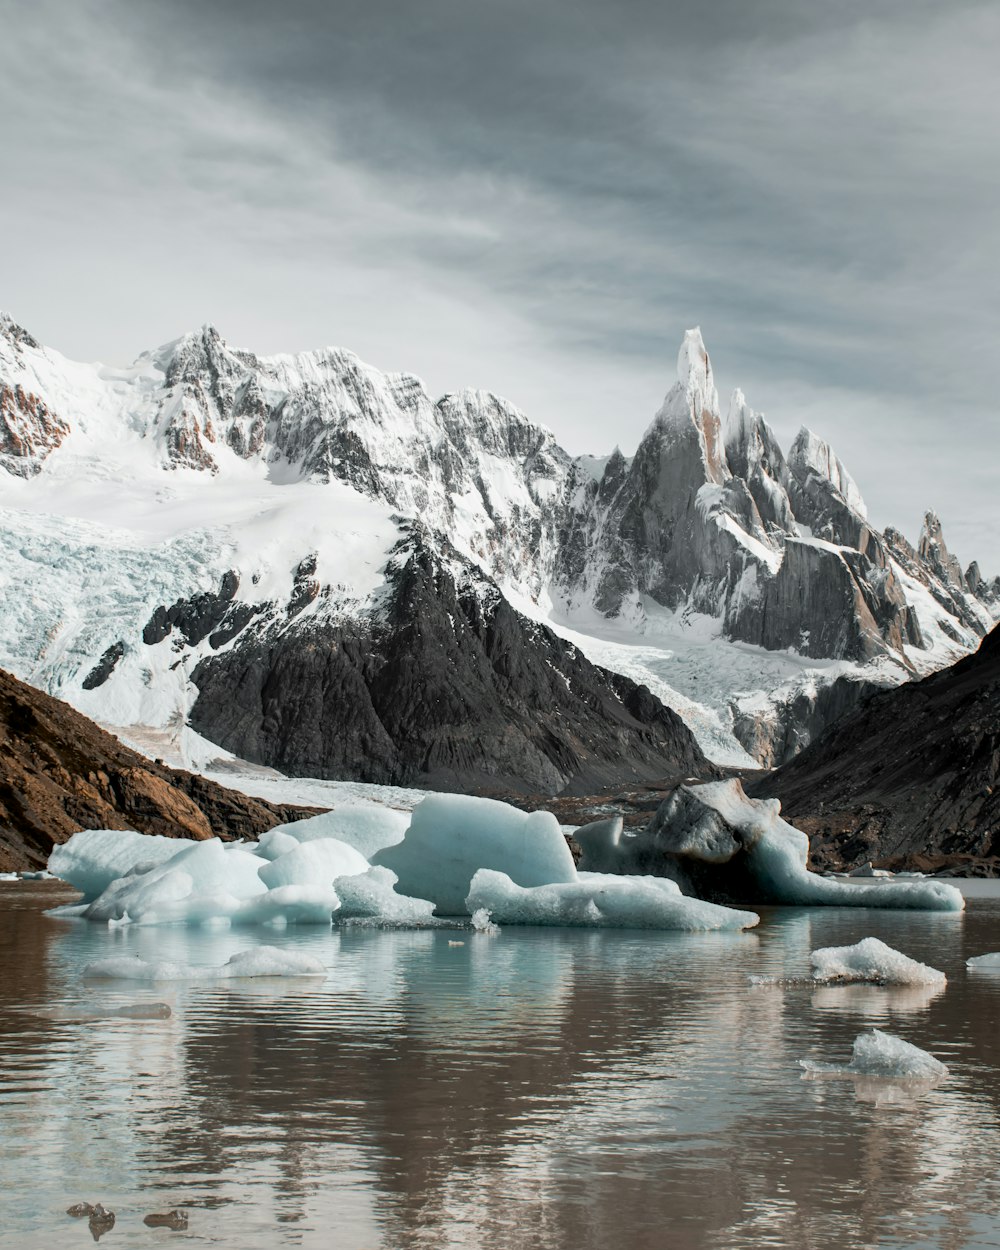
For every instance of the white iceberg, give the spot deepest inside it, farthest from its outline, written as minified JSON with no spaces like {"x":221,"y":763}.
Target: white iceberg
{"x":93,"y":858}
{"x":871,"y":961}
{"x":987,"y":962}
{"x":371,"y":896}
{"x":259,"y":961}
{"x":452,"y":836}
{"x":598,"y":900}
{"x":878,"y":1054}
{"x":318,"y":862}
{"x":367,"y":827}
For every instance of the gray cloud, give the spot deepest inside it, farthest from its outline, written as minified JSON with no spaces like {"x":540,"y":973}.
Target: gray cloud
{"x":539,"y":198}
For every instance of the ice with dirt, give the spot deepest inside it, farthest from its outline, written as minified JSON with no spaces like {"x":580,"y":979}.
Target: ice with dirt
{"x":716,"y":836}
{"x":872,"y":961}
{"x":881,"y":1054}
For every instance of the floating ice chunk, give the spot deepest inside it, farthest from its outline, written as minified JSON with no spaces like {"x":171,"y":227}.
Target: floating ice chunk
{"x":988,"y":962}
{"x":728,"y":846}
{"x":9,"y":876}
{"x":483,"y":923}
{"x":289,"y":904}
{"x":371,"y":896}
{"x":880,"y":1054}
{"x":600,"y":845}
{"x":451,"y":836}
{"x":93,"y":858}
{"x":259,"y":961}
{"x":367,"y":827}
{"x":598,"y":900}
{"x":316,"y":862}
{"x":873,"y":961}
{"x":201,"y":881}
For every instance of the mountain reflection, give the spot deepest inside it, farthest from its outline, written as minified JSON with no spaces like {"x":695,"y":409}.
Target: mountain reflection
{"x":542,"y":1088}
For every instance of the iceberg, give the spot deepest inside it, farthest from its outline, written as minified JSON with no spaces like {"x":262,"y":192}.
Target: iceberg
{"x":721,"y":844}
{"x":259,"y":961}
{"x":600,"y":900}
{"x":985,"y":962}
{"x":367,"y":827}
{"x":370,"y":896}
{"x":873,"y":962}
{"x":321,"y":860}
{"x":452,"y":836}
{"x":93,"y":858}
{"x":882,"y":1055}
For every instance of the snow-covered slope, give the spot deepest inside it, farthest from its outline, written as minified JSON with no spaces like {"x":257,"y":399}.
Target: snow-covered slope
{"x":207,"y":502}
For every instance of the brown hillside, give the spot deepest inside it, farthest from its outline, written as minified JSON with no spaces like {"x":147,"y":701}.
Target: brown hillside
{"x":59,"y":772}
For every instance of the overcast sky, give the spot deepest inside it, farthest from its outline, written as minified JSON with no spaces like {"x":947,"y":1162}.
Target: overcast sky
{"x":538,"y":197}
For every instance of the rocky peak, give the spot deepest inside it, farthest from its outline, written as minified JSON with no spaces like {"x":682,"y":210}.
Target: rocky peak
{"x":16,"y":335}
{"x":932,"y":549}
{"x":811,"y":455}
{"x":754,"y":454}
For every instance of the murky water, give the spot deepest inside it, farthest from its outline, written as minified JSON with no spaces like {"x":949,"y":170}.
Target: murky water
{"x":537,"y":1089}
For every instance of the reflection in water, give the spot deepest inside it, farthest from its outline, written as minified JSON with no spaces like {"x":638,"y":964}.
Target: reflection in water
{"x":541,"y":1088}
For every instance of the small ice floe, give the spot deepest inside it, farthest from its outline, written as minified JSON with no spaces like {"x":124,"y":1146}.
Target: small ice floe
{"x":10,"y":876}
{"x":985,"y":963}
{"x":451,"y":943}
{"x":260,"y":961}
{"x":878,"y":1054}
{"x":869,"y":870}
{"x":482,"y":922}
{"x":873,"y":962}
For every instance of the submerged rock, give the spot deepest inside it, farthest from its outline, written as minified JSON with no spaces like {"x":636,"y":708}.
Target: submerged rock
{"x":175,"y":1220}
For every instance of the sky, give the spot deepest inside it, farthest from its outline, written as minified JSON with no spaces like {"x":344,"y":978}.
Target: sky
{"x":538,"y":197}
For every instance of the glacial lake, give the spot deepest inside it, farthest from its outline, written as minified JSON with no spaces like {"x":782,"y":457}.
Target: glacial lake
{"x":541,"y":1088}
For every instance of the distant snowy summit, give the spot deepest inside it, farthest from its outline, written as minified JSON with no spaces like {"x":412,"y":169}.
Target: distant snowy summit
{"x":294,"y":498}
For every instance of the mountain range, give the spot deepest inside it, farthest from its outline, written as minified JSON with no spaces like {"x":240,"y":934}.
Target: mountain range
{"x":312,"y":565}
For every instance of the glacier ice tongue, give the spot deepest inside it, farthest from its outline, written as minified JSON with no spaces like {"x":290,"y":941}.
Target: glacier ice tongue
{"x":451,"y":836}
{"x":598,"y":900}
{"x":872,"y":961}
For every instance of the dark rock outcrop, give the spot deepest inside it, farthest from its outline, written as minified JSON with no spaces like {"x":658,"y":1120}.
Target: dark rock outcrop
{"x":59,"y":772}
{"x":447,"y":686}
{"x":913,"y":773}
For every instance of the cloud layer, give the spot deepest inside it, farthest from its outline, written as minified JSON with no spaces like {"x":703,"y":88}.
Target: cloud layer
{"x":538,"y":199}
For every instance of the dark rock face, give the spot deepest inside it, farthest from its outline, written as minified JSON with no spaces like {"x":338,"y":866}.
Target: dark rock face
{"x":447,"y":687}
{"x":913,"y":772}
{"x":62,"y":773}
{"x":198,"y":617}
{"x":104,"y":667}
{"x":790,"y":725}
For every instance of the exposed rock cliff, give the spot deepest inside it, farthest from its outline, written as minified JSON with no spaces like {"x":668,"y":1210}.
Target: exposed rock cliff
{"x":912,"y":772}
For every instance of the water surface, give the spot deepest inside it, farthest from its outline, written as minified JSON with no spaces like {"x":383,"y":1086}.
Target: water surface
{"x":542,"y":1088}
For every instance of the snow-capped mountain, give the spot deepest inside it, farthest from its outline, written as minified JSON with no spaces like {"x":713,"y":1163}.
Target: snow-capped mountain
{"x":182,"y":539}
